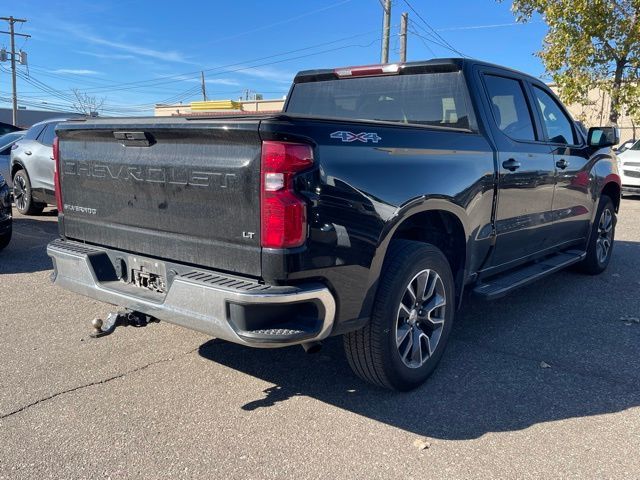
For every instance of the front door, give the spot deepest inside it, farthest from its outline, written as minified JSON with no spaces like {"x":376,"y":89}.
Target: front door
{"x":526,"y":173}
{"x":573,"y":203}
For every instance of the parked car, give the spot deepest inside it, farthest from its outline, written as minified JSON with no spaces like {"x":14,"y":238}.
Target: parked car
{"x":6,"y":142}
{"x":629,"y":165}
{"x":5,"y":214}
{"x":623,"y":147}
{"x":365,"y":209}
{"x":32,"y":168}
{"x":8,"y":128}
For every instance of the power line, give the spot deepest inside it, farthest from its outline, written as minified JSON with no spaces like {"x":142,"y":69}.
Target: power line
{"x":429,"y":38}
{"x":449,"y":46}
{"x":423,"y":40}
{"x":12,"y":21}
{"x":178,"y":77}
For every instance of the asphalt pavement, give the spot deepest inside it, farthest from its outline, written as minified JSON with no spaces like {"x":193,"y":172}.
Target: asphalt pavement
{"x":544,"y":383}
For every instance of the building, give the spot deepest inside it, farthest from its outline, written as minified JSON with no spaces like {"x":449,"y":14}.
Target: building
{"x":219,"y":106}
{"x":26,"y":118}
{"x":595,"y":113}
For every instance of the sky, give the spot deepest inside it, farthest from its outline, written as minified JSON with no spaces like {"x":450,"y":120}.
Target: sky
{"x":133,"y":54}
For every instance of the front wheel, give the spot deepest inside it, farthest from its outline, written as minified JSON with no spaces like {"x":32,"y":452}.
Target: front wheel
{"x":601,"y":240}
{"x":412,"y":318}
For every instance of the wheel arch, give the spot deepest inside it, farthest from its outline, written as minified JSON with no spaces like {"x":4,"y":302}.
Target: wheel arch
{"x":17,"y":165}
{"x":612,"y":190}
{"x":437,"y":221}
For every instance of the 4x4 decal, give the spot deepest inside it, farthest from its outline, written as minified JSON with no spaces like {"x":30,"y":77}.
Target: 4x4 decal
{"x":360,"y":137}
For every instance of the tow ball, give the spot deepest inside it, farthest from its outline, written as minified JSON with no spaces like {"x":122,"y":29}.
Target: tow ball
{"x":120,"y":318}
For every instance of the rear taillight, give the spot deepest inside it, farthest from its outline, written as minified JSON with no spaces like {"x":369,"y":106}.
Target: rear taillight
{"x":283,"y":213}
{"x":56,"y":174}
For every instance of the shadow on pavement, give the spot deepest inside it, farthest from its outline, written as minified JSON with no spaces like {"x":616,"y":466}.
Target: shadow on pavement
{"x":491,"y":378}
{"x":27,"y":251}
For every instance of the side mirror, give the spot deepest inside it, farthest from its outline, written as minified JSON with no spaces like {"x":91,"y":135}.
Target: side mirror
{"x":603,"y":137}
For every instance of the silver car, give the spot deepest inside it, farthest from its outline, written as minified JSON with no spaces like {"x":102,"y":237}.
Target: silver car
{"x":32,"y":168}
{"x":6,"y":142}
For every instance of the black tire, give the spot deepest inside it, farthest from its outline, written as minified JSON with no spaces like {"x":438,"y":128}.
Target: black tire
{"x":373,"y":351}
{"x":594,"y":263}
{"x":5,"y":239}
{"x":22,"y":195}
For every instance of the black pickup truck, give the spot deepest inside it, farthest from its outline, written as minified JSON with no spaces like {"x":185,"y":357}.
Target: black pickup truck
{"x":365,"y":209}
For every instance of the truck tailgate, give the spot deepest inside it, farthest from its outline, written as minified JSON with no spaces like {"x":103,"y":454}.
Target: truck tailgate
{"x":176,"y":189}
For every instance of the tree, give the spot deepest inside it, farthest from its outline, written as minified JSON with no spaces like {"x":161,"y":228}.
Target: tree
{"x":591,"y":43}
{"x":86,"y":104}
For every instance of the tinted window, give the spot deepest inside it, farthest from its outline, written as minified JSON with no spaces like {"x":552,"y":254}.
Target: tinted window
{"x":33,"y":132}
{"x":510,"y":109}
{"x":49,"y":133}
{"x":438,"y":99}
{"x":557,"y":124}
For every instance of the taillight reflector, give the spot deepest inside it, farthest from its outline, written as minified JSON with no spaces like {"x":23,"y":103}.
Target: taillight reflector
{"x":56,"y":174}
{"x":283,"y":213}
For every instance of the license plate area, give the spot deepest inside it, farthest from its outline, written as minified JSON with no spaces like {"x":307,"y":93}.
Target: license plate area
{"x":147,"y":274}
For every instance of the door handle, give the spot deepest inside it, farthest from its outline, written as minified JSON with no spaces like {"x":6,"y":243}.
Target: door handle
{"x":562,"y":164}
{"x":27,"y":152}
{"x":512,"y":165}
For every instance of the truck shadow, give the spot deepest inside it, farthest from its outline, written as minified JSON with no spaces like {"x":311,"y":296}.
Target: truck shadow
{"x":27,"y":251}
{"x":562,"y":348}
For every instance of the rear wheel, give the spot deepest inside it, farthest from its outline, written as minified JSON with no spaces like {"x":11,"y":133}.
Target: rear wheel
{"x":412,"y":318}
{"x":600,"y":245}
{"x":22,"y":195}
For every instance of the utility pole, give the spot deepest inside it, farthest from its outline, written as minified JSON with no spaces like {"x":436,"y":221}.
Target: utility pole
{"x":386,"y":30}
{"x":203,"y":86}
{"x":403,"y":37}
{"x":12,"y":33}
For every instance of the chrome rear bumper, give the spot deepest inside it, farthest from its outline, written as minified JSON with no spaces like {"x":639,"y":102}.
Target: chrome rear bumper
{"x":202,"y":300}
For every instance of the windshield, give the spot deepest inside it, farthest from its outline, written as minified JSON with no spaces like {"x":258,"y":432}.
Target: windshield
{"x":436,"y":99}
{"x":635,"y":146}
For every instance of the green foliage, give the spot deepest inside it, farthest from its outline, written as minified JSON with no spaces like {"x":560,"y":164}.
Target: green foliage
{"x":591,"y":43}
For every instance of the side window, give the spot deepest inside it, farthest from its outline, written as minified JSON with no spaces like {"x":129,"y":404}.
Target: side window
{"x":33,"y":132}
{"x":48,"y":134}
{"x":510,"y":109}
{"x":556,"y":122}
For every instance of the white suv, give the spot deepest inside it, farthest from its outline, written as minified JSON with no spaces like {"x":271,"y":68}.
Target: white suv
{"x":32,"y":168}
{"x":629,"y":166}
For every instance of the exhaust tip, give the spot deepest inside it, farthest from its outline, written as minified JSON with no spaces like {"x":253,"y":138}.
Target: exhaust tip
{"x":312,"y":347}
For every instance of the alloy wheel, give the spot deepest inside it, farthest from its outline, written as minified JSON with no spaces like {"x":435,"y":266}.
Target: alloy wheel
{"x":605,"y":235}
{"x":420,"y":318}
{"x":20,"y":192}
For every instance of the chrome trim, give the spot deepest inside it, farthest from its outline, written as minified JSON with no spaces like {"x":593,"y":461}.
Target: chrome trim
{"x":190,"y":304}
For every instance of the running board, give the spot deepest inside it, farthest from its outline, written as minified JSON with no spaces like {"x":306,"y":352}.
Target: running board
{"x":503,"y":284}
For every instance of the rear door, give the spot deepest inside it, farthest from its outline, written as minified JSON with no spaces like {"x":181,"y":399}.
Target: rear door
{"x":572,"y":202}
{"x":41,"y":161}
{"x":526,"y":170}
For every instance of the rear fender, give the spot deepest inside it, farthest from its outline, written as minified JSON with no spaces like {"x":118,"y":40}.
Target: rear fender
{"x":405,"y":212}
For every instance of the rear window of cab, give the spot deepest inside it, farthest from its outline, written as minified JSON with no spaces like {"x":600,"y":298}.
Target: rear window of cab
{"x":428,"y":99}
